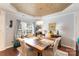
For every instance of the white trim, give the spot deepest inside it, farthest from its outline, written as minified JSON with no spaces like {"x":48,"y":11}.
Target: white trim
{"x":2,"y":49}
{"x":6,"y":47}
{"x":68,"y":46}
{"x":9,"y":46}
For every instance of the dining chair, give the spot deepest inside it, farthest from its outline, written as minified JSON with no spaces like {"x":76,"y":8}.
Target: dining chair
{"x":25,"y":50}
{"x":52,"y":51}
{"x":29,"y":35}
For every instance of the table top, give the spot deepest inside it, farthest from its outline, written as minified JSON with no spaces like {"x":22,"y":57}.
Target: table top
{"x":38,"y":44}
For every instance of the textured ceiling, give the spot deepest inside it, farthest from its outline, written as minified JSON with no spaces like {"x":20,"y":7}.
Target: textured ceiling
{"x":40,"y":9}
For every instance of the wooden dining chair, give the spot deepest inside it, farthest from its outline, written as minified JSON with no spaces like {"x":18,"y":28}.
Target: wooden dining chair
{"x":52,"y":51}
{"x":25,"y":50}
{"x":29,"y":35}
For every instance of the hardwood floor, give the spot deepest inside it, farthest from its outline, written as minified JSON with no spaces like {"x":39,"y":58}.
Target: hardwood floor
{"x":14,"y":52}
{"x":77,"y":49}
{"x":77,"y":53}
{"x":9,"y":52}
{"x":70,"y":51}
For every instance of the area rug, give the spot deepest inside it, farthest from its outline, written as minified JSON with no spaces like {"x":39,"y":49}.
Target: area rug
{"x":61,"y":53}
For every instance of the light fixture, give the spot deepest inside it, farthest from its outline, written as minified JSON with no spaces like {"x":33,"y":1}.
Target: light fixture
{"x":39,"y":22}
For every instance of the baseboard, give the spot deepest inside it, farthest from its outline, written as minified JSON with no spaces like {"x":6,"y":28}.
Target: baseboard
{"x":2,"y":49}
{"x":68,"y":46}
{"x":9,"y":46}
{"x":6,"y":47}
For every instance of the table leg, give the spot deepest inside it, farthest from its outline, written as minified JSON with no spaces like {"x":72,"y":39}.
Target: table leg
{"x":39,"y":54}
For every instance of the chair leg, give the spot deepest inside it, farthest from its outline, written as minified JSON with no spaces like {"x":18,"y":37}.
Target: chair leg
{"x":39,"y":54}
{"x":19,"y":54}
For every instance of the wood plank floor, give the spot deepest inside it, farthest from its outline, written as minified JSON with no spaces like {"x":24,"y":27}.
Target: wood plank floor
{"x":77,"y":53}
{"x":70,"y":51}
{"x":9,"y":52}
{"x":14,"y":52}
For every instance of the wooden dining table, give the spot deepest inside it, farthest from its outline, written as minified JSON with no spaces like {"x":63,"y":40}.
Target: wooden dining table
{"x":39,"y":45}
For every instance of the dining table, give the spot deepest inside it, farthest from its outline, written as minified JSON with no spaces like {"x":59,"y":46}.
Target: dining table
{"x":38,"y":45}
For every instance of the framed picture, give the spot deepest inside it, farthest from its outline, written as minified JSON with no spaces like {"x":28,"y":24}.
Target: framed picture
{"x":52,"y":26}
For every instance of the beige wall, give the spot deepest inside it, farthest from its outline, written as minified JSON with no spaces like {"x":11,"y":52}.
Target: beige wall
{"x":2,"y":29}
{"x":8,"y":7}
{"x":76,"y":25}
{"x":7,"y":33}
{"x":67,"y":27}
{"x":10,"y":32}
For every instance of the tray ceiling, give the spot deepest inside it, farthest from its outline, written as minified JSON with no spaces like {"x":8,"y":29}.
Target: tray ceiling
{"x":40,"y":9}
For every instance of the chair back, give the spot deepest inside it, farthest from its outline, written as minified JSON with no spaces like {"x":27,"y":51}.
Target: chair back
{"x":29,"y":35}
{"x":23,"y":47}
{"x":56,"y":45}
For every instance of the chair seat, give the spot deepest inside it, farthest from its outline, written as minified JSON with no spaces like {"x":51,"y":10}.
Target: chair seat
{"x":19,"y":49}
{"x":30,"y":52}
{"x":25,"y":50}
{"x":61,"y":53}
{"x":48,"y":52}
{"x":52,"y":51}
